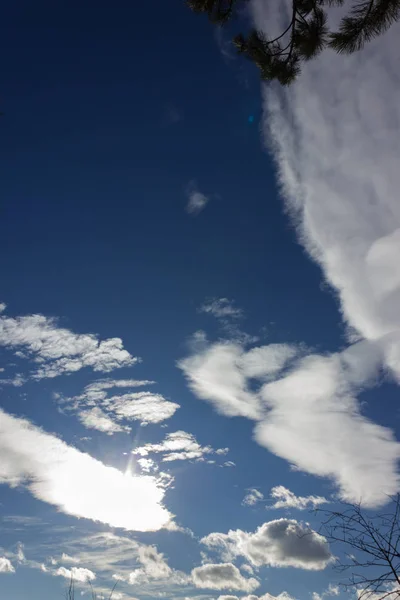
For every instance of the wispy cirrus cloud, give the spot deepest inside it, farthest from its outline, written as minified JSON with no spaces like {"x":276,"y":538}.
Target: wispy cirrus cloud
{"x":136,"y":567}
{"x":278,"y":543}
{"x":179,"y":445}
{"x":221,"y":308}
{"x":284,"y":498}
{"x":75,"y":482}
{"x":56,"y":350}
{"x":196,"y":200}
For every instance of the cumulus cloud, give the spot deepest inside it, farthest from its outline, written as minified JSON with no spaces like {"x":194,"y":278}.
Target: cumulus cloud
{"x":154,"y":567}
{"x":57,"y":350}
{"x":179,"y":445}
{"x":306,"y":408}
{"x":221,"y":308}
{"x":252,"y":497}
{"x":284,"y":498}
{"x":197,"y":201}
{"x":75,"y":482}
{"x":97,"y":410}
{"x":278,"y":543}
{"x":5,"y":564}
{"x":79,"y":574}
{"x":224,"y":576}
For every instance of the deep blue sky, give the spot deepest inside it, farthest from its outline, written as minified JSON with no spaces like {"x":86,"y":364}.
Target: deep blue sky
{"x":110,"y":112}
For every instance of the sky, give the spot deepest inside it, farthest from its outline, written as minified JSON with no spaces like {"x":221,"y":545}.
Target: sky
{"x":199,"y":309}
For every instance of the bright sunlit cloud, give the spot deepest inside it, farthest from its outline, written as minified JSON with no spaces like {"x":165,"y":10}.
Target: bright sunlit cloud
{"x":77,"y":483}
{"x":5,"y":565}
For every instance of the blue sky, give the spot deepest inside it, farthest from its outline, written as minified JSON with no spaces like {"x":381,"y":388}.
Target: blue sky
{"x":199,"y":328}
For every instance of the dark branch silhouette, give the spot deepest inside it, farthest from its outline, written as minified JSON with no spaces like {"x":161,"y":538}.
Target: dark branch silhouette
{"x":372,"y":545}
{"x":307,"y":33}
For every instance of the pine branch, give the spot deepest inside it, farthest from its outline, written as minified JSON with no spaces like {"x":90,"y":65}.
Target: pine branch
{"x":366,"y":21}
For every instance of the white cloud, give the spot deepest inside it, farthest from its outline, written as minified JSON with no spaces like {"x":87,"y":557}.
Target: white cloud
{"x":340,"y":178}
{"x":281,"y":596}
{"x":278,"y":543}
{"x":97,"y":389}
{"x":122,"y":559}
{"x":224,"y":576}
{"x":66,"y":558}
{"x":16,"y":380}
{"x":213,"y":375}
{"x":145,"y":407}
{"x":247,"y":568}
{"x":79,"y":574}
{"x":197,"y":201}
{"x":265,"y":362}
{"x":95,"y":418}
{"x":147,"y":465}
{"x":219,"y":372}
{"x":284,"y":498}
{"x":221,"y":308}
{"x":57,"y":350}
{"x":335,"y":136}
{"x":309,"y":414}
{"x":97,"y":410}
{"x":77,"y":483}
{"x":314,"y":422}
{"x":332,"y":590}
{"x":252,"y":497}
{"x":20,"y":552}
{"x":153,"y":566}
{"x":3,"y":307}
{"x":5,"y":565}
{"x":179,"y":445}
